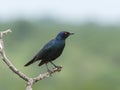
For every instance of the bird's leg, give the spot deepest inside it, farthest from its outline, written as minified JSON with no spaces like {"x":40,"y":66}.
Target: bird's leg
{"x":48,"y":69}
{"x":55,"y":65}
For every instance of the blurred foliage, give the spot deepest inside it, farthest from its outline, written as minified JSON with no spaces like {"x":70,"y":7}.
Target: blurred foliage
{"x":91,"y":59}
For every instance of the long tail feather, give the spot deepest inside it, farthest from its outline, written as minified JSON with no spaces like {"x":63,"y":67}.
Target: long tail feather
{"x":41,"y":63}
{"x":30,"y":62}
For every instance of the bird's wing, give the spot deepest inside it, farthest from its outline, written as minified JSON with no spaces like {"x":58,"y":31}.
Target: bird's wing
{"x":45,"y":50}
{"x":42,"y":53}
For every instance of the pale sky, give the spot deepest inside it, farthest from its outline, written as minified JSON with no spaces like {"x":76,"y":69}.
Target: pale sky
{"x":66,"y":10}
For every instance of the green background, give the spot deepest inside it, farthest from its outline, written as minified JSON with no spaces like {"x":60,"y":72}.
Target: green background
{"x":91,"y":58}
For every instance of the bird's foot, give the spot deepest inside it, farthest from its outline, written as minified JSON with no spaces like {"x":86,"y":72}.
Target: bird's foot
{"x":58,"y":68}
{"x":49,"y":72}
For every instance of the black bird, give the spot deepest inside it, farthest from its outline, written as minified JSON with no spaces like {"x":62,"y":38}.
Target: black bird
{"x":51,"y":50}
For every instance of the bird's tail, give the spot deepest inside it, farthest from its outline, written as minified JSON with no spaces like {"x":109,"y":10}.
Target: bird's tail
{"x":41,"y":63}
{"x":30,"y":62}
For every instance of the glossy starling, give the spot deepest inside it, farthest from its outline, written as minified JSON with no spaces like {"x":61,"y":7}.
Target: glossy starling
{"x":51,"y":50}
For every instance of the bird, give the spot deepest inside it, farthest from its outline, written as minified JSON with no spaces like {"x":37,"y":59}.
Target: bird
{"x":51,"y":51}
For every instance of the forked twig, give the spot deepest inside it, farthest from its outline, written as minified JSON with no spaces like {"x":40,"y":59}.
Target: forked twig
{"x":30,"y":81}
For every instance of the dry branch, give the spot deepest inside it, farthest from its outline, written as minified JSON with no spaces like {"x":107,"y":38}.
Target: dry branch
{"x":30,"y":81}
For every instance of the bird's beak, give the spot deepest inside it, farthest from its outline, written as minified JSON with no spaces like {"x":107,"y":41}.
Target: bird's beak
{"x":71,"y":33}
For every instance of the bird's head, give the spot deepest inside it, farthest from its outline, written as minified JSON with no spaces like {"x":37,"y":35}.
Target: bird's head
{"x":63,"y":35}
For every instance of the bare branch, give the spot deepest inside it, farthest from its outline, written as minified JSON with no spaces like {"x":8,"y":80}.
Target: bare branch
{"x":7,"y":61}
{"x":30,"y":81}
{"x":47,"y":74}
{"x":12,"y":67}
{"x":1,"y":36}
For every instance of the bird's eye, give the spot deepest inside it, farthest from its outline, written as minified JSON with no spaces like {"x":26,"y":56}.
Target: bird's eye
{"x":65,"y":33}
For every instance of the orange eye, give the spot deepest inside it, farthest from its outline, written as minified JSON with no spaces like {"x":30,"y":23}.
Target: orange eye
{"x":66,"y":33}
